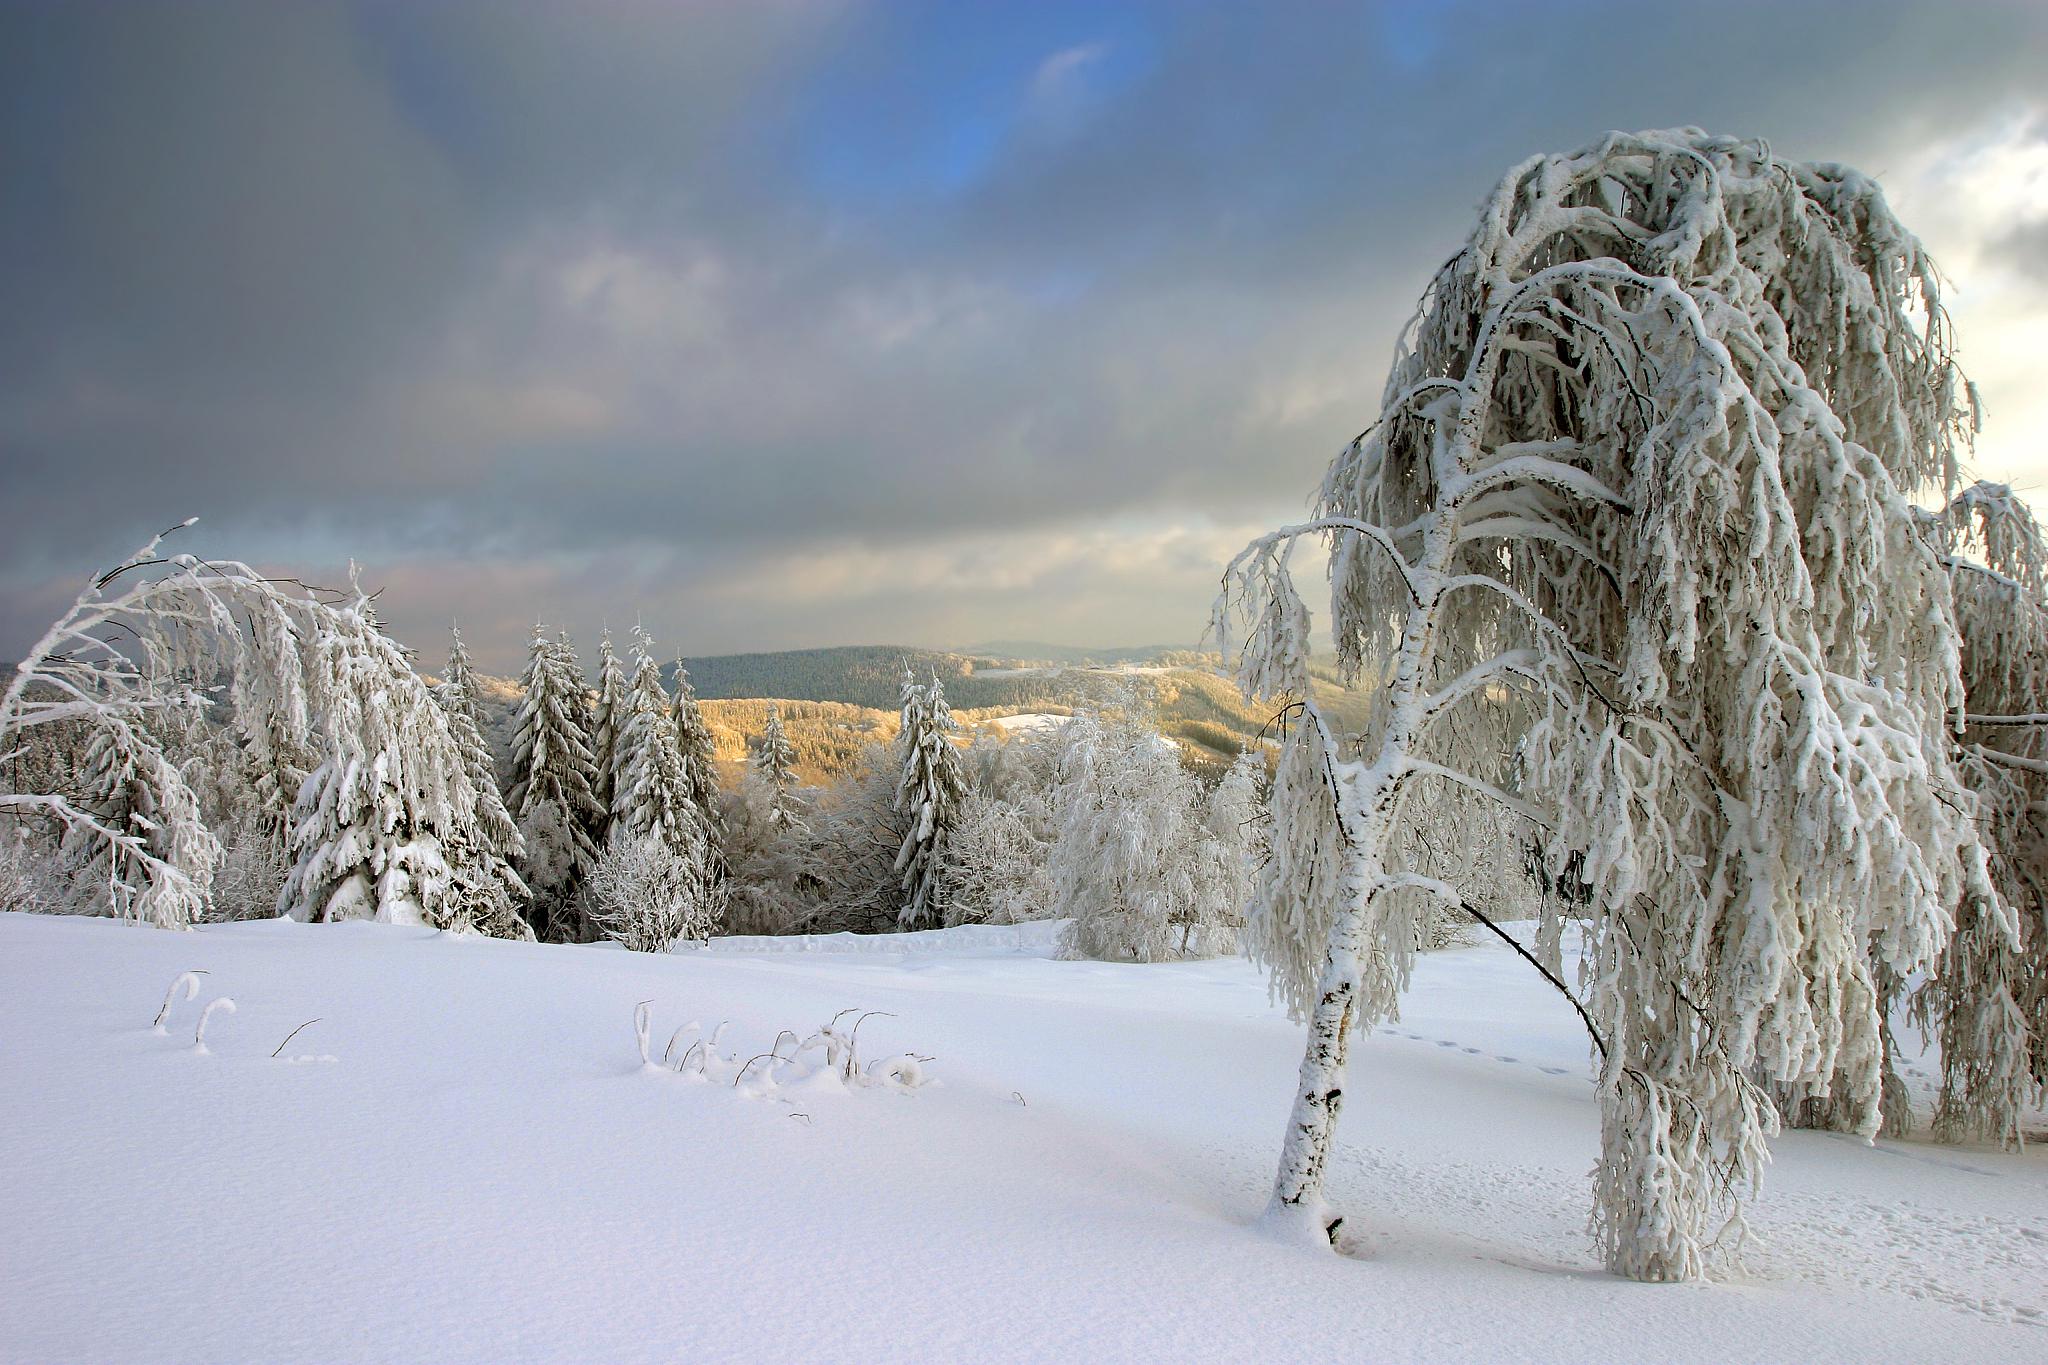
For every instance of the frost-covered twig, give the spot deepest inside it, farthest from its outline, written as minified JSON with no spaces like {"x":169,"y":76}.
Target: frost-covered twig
{"x":293,"y":1034}
{"x":222,"y":1003}
{"x":185,"y":981}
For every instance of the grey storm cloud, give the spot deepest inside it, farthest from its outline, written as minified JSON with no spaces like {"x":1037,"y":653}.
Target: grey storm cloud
{"x":603,"y":293}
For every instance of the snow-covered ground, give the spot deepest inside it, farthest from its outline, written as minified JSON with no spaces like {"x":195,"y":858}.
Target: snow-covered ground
{"x":465,"y":1160}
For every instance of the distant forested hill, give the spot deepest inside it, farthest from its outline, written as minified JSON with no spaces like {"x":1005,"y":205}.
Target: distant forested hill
{"x":838,"y":701}
{"x":863,"y":675}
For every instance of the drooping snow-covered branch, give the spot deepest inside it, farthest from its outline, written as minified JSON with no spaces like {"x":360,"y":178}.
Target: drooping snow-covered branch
{"x":1637,"y":505}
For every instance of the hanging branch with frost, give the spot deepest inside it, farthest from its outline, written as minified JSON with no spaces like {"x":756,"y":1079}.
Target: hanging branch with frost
{"x":127,"y":667}
{"x":1987,"y":998}
{"x":1630,"y":553}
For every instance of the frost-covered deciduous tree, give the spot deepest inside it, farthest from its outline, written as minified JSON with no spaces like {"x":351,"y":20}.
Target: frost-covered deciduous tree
{"x":856,"y":834}
{"x":1630,"y":548}
{"x":553,"y":797}
{"x":928,"y":794}
{"x":1236,"y":820}
{"x":115,"y":680}
{"x":1133,"y":864}
{"x":645,"y":896}
{"x":996,"y":865}
{"x":775,"y":763}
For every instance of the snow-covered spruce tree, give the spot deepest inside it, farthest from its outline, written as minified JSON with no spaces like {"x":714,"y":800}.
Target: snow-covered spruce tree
{"x":1630,"y":547}
{"x":461,"y":680}
{"x":928,"y":795}
{"x":652,"y":798}
{"x":1987,"y":997}
{"x":1132,"y":865}
{"x":489,"y":895}
{"x":386,"y":828}
{"x":274,"y":720}
{"x":552,"y":796}
{"x":608,"y":718}
{"x":653,"y":881}
{"x":775,"y":763}
{"x":699,"y":750}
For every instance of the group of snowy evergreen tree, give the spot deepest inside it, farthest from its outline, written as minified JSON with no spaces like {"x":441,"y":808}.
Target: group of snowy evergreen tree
{"x":193,"y":741}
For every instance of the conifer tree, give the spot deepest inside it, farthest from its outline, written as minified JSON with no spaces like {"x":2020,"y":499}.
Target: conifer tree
{"x":698,"y":748}
{"x":608,"y":717}
{"x":929,"y":790}
{"x":775,"y":762}
{"x":462,"y":679}
{"x":552,"y":797}
{"x":385,"y":828}
{"x":489,"y":894}
{"x":652,"y":799}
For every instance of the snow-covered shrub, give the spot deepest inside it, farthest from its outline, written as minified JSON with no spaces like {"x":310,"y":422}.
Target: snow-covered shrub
{"x":647,"y":896}
{"x":1133,"y":865}
{"x":996,"y":866}
{"x":1630,"y":553}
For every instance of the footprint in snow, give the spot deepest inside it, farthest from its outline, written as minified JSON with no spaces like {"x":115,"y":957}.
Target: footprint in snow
{"x":1511,"y":1061}
{"x":1554,"y":1071}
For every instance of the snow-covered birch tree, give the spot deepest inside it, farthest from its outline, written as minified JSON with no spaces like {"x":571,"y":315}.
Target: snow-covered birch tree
{"x":928,"y":793}
{"x":1631,"y":550}
{"x":1987,"y":997}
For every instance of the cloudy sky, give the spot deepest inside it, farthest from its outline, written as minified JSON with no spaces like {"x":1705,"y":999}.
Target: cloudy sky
{"x":843,"y":323}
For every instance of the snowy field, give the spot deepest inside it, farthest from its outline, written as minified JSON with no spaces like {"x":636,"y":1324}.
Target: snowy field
{"x":465,"y":1160}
